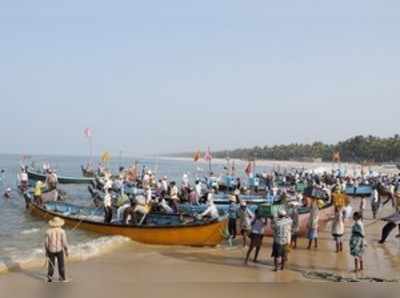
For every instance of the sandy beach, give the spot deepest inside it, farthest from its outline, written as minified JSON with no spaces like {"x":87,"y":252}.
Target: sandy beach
{"x":134,"y":265}
{"x":292,"y":164}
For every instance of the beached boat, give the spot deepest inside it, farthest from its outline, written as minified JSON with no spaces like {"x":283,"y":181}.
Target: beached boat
{"x":160,"y":229}
{"x":325,"y":214}
{"x":36,"y":176}
{"x":359,"y":191}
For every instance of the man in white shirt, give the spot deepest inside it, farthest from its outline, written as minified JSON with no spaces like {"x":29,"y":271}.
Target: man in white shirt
{"x":185,"y":180}
{"x":164,"y":184}
{"x":210,"y":196}
{"x":174,"y":196}
{"x":107,"y":207}
{"x":211,"y":211}
{"x":149,"y":195}
{"x":198,"y":190}
{"x":23,"y":179}
{"x":146,"y":180}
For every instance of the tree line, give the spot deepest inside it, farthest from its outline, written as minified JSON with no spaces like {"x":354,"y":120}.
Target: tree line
{"x":359,"y":149}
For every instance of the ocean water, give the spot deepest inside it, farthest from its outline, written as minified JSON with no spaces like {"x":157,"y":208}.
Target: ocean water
{"x":21,"y":235}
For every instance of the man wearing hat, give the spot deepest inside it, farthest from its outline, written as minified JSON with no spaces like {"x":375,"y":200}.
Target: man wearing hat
{"x":56,"y":245}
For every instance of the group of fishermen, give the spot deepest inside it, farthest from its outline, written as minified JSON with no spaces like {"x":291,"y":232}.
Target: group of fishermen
{"x":139,"y":194}
{"x":166,"y":196}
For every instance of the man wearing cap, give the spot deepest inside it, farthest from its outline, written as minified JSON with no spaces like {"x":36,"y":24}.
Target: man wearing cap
{"x":56,"y":245}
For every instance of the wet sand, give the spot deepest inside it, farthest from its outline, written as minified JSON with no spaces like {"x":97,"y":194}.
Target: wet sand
{"x":137,"y":264}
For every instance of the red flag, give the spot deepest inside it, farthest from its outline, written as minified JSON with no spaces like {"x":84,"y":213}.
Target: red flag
{"x":248,"y":169}
{"x":197,"y":156}
{"x":88,"y":132}
{"x":336,"y":156}
{"x":208,"y":156}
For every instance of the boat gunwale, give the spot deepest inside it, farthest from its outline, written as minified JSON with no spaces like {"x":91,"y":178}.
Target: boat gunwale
{"x":116,"y":225}
{"x":39,"y":176}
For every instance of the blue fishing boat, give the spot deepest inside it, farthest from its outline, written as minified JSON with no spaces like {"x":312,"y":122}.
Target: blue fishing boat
{"x":359,"y":191}
{"x":36,"y":176}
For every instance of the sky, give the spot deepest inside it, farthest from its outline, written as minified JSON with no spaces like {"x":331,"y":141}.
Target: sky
{"x":154,"y":77}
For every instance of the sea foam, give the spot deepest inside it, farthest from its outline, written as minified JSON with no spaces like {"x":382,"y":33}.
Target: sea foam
{"x":78,"y":252}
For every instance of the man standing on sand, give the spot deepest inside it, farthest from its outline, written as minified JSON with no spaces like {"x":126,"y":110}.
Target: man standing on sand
{"x":245,"y":219}
{"x":281,"y":228}
{"x":56,"y":246}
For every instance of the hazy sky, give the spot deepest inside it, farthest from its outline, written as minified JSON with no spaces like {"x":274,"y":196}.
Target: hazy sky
{"x":167,"y":76}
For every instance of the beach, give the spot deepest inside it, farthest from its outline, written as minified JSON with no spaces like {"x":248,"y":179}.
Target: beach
{"x":134,"y":265}
{"x":318,"y":166}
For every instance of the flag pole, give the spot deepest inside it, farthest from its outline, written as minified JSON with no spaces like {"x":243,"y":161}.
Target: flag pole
{"x":209,"y":160}
{"x":91,"y":151}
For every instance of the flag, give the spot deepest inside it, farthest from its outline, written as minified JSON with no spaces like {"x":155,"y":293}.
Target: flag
{"x":105,"y":157}
{"x":248,"y":169}
{"x":88,"y":132}
{"x":336,"y":156}
{"x":197,"y":156}
{"x":208,"y":156}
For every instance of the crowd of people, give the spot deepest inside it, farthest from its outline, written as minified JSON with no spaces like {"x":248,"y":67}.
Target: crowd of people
{"x":132,"y":194}
{"x":291,"y":189}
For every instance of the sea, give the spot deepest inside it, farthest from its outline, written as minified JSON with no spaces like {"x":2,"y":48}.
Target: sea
{"x":22,"y":235}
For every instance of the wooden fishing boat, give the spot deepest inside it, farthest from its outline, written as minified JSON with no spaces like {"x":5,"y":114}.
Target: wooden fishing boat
{"x":197,"y":233}
{"x":359,"y":191}
{"x":325,"y":213}
{"x":35,"y":176}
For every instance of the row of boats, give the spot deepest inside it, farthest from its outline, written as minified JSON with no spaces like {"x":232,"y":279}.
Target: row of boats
{"x":351,"y":190}
{"x":180,"y":228}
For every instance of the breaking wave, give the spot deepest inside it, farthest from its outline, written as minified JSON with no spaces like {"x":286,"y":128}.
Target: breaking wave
{"x":79,"y":252}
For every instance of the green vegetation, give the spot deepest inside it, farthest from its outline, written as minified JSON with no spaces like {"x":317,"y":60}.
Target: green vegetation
{"x":356,"y":149}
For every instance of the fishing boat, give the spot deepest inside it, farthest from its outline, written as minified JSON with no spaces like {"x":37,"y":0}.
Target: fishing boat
{"x":359,"y":191}
{"x":326,"y":212}
{"x":224,"y":199}
{"x":160,"y":229}
{"x":36,"y":176}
